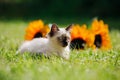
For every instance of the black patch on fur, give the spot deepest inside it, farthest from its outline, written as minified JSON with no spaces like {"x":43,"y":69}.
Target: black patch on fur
{"x":64,"y":40}
{"x":65,"y":43}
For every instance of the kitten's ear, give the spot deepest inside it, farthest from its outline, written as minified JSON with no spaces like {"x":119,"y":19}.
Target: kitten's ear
{"x":53,"y":30}
{"x":69,"y":27}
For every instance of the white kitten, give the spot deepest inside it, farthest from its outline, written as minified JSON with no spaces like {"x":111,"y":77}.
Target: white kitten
{"x":57,"y":43}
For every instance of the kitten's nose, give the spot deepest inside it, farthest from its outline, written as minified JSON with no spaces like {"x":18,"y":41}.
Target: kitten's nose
{"x":65,"y":42}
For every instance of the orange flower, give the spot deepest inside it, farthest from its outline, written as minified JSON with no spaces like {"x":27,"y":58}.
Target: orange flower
{"x":81,"y":37}
{"x":36,"y":29}
{"x":101,"y":33}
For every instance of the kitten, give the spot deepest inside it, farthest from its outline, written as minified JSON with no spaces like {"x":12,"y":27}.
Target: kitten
{"x":57,"y":43}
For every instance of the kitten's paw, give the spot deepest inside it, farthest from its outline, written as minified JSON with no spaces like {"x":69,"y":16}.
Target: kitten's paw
{"x":66,"y":56}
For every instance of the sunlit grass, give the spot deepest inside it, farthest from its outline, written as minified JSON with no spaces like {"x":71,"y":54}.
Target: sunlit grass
{"x":83,"y":65}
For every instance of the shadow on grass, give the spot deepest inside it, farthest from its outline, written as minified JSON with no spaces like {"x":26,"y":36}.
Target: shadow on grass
{"x":39,"y":56}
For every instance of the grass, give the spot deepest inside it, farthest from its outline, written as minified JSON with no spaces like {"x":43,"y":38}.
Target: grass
{"x":83,"y":65}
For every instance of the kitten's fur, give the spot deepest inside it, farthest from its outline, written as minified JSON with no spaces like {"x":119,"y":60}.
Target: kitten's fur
{"x":57,"y":43}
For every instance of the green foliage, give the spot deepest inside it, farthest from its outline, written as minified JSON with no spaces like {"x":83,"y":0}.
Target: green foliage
{"x":83,"y":64}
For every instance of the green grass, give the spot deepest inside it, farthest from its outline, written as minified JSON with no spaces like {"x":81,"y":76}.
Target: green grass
{"x":83,"y":65}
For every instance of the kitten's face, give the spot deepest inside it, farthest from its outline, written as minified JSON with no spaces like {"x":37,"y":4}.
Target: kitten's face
{"x":63,"y":38}
{"x":60,"y":36}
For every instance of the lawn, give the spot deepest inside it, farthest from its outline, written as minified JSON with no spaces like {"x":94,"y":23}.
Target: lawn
{"x":83,"y":64}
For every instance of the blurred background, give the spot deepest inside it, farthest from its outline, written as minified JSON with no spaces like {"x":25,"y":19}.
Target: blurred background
{"x":25,"y":9}
{"x":62,"y":11}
